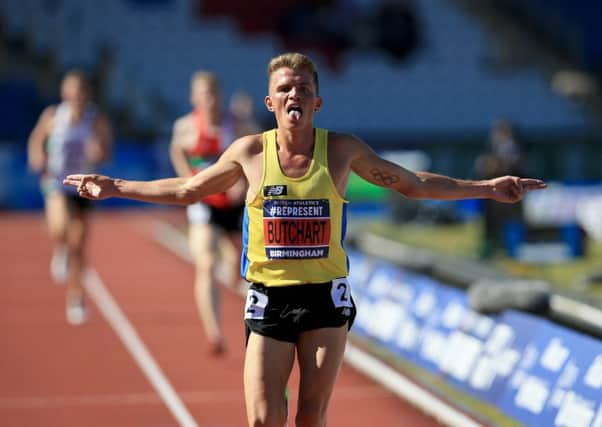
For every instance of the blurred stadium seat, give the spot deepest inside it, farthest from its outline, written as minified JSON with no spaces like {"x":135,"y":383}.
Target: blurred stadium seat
{"x":442,"y":88}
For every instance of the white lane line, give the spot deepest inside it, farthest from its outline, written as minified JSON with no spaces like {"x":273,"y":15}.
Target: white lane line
{"x":172,"y":239}
{"x":130,"y":338}
{"x":404,"y":388}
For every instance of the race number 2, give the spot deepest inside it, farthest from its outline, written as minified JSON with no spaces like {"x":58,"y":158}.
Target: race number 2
{"x":341,"y":293}
{"x":255,"y":305}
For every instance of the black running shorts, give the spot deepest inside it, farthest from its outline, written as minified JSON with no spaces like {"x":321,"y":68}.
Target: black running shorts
{"x":284,"y":312}
{"x":77,"y":203}
{"x":228,"y":219}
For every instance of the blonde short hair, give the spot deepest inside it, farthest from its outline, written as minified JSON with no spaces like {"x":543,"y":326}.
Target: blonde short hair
{"x":295,"y":61}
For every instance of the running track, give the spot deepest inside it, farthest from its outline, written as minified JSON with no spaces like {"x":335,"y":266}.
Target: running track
{"x":54,"y":374}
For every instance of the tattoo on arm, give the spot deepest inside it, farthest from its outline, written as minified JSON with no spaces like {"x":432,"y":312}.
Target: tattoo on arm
{"x":384,"y":177}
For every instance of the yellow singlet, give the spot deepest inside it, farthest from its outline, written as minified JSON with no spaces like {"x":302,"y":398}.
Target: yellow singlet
{"x":293,"y":230}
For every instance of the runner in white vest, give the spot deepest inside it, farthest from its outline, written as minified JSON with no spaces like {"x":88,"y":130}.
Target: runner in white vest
{"x":68,"y":137}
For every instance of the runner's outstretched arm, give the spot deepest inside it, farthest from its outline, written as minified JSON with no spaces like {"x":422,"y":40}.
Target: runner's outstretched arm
{"x":425,"y":185}
{"x":175,"y":191}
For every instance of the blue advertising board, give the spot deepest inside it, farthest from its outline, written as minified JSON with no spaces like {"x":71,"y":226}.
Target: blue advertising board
{"x":536,"y":372}
{"x":561,"y":385}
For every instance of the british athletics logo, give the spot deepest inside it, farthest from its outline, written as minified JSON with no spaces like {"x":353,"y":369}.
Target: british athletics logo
{"x":296,"y":229}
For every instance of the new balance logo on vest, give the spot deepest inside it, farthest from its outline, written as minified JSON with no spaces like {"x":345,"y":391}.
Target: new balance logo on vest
{"x":274,"y":190}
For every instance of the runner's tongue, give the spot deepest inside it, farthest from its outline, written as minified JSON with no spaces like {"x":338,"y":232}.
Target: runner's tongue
{"x":294,"y":114}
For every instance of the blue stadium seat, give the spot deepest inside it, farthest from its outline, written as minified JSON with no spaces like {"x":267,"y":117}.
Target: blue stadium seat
{"x":443,"y":87}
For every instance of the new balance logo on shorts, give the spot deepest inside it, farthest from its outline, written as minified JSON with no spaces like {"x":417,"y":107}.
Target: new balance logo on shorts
{"x":274,"y":190}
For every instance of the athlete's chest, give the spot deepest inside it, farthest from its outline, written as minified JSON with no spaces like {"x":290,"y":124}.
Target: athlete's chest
{"x":294,"y":165}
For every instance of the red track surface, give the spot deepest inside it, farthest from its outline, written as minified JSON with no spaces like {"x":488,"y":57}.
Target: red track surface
{"x":54,"y":374}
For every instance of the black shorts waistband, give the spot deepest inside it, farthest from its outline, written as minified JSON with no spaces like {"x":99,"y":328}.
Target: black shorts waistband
{"x":293,"y":290}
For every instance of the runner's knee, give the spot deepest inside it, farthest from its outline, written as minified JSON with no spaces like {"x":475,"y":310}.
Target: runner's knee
{"x":57,"y":233}
{"x":57,"y":228}
{"x":206,"y":263}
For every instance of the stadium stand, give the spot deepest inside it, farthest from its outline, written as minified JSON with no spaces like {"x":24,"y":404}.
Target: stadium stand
{"x":443,"y":87}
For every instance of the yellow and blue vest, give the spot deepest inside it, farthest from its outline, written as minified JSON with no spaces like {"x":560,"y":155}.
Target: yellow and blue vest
{"x":293,"y":230}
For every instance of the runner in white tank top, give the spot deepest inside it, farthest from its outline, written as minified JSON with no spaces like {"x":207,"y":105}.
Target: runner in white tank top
{"x":69,"y":137}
